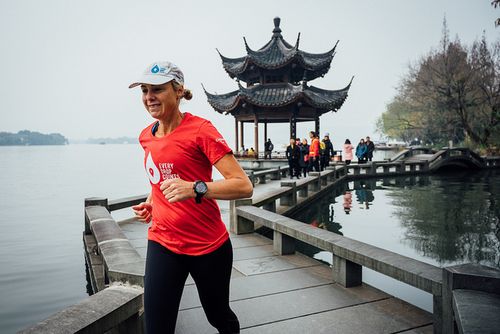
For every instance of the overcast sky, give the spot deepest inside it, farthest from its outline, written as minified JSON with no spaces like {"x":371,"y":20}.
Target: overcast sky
{"x":65,"y":65}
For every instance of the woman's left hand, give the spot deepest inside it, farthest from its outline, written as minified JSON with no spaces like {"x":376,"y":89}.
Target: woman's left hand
{"x":176,"y":190}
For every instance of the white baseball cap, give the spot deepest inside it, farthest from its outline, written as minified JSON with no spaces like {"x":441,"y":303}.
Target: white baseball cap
{"x":160,"y":73}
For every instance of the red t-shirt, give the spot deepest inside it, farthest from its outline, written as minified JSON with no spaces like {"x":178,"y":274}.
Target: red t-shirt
{"x":188,"y":153}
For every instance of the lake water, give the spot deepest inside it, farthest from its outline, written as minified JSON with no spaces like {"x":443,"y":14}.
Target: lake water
{"x":42,"y":268}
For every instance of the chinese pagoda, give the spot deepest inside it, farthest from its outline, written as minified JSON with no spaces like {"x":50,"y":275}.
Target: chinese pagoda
{"x":277,"y":89}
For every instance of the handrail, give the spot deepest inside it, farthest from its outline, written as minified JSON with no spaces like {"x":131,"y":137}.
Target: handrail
{"x":348,"y":255}
{"x":126,"y":202}
{"x":123,"y":262}
{"x":418,"y":274}
{"x":117,"y":307}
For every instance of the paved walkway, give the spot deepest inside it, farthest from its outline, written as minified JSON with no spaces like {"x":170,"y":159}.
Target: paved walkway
{"x":291,"y":294}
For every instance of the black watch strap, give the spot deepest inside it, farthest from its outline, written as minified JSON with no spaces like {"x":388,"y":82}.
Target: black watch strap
{"x":200,"y":189}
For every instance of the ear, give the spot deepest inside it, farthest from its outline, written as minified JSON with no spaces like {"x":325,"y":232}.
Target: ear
{"x":180,"y":92}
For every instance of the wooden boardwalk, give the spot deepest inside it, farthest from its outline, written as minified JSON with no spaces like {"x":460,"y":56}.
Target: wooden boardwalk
{"x":291,"y":293}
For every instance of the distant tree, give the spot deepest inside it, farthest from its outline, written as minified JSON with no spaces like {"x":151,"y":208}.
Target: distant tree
{"x":26,"y":137}
{"x":452,"y":93}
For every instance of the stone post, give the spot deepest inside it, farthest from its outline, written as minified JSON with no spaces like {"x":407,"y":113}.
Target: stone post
{"x":271,"y":206}
{"x":345,"y":272}
{"x":401,"y":168}
{"x":289,"y":199}
{"x":276,"y":175}
{"x":315,"y":185}
{"x":93,"y":201}
{"x":323,"y":180}
{"x":425,"y":165}
{"x":303,"y":191}
{"x":283,"y":244}
{"x":465,"y":276}
{"x":237,"y":224}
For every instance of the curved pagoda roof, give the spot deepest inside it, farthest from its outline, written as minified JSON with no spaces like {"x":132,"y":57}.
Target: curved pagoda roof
{"x":279,"y":96}
{"x":279,"y":54}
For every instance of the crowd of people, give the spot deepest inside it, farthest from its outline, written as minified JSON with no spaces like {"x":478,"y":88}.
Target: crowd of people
{"x":304,"y":157}
{"x":315,"y":155}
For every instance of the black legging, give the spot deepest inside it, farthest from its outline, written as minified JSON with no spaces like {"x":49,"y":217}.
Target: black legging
{"x":166,"y":274}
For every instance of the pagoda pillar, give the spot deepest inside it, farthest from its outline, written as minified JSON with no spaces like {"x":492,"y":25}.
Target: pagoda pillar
{"x":256,"y":137}
{"x":242,"y":139}
{"x":236,"y":145}
{"x":316,"y":126}
{"x":265,"y":133}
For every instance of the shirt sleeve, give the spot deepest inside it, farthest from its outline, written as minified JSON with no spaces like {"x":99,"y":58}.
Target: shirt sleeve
{"x":211,"y":142}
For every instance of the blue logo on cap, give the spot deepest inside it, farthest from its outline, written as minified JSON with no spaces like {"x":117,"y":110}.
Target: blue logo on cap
{"x":155,"y":69}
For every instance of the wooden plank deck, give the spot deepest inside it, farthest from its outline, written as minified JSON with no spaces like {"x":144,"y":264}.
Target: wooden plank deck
{"x":291,"y":293}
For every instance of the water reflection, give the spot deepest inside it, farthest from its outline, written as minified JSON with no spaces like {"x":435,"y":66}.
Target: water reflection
{"x":442,"y":219}
{"x":454,"y":220}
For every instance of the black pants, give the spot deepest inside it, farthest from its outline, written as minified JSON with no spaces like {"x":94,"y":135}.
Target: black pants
{"x":314,"y":163}
{"x":294,"y":168}
{"x":166,"y":274}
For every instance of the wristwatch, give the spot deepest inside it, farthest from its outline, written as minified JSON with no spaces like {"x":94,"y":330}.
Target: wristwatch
{"x":200,"y":189}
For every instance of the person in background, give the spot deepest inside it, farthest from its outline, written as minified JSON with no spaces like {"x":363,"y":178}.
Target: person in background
{"x":361,"y":151}
{"x":187,"y":235}
{"x":268,"y":148}
{"x":328,"y":151}
{"x":293,"y":155}
{"x":251,"y":152}
{"x":347,"y":151}
{"x":314,"y":152}
{"x":370,"y":147}
{"x":304,"y":157}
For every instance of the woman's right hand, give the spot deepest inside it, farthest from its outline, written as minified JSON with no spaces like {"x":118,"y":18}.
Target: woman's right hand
{"x":143,"y":212}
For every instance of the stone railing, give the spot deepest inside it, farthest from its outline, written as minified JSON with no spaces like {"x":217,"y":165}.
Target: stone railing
{"x":405,"y":154}
{"x":116,"y":272}
{"x":492,"y":162}
{"x":121,"y":261}
{"x":116,"y":308}
{"x":261,"y":176}
{"x":349,"y":256}
{"x":471,"y":299}
{"x":376,"y":168}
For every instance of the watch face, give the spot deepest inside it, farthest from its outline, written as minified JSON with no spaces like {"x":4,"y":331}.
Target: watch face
{"x":201,"y":187}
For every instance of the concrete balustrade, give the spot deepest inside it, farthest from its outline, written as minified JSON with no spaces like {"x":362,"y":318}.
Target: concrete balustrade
{"x":118,"y":309}
{"x":471,"y":299}
{"x":348,"y":255}
{"x":122,"y":262}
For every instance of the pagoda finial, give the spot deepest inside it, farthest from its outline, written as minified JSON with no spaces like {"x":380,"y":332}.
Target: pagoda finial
{"x":277,"y":30}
